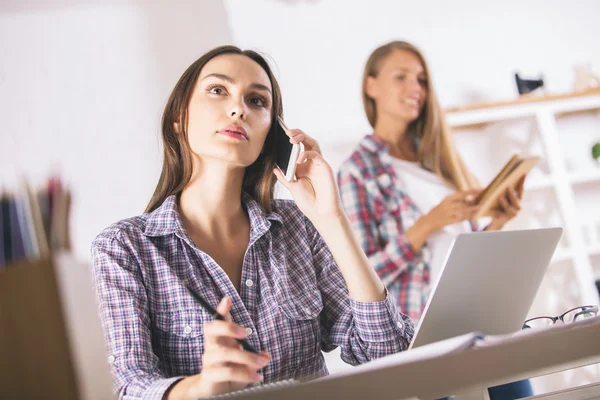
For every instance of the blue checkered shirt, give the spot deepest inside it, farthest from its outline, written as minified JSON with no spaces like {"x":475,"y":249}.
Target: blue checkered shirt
{"x":293,"y":300}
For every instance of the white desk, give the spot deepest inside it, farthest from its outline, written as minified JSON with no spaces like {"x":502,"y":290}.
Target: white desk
{"x":525,"y":356}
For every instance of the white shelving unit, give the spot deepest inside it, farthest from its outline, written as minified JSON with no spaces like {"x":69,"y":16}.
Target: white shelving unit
{"x":545,"y":110}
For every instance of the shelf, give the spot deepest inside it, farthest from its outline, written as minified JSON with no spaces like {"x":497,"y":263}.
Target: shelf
{"x":585,"y":177}
{"x":526,"y":99}
{"x":522,"y":107}
{"x":594,"y":250}
{"x":539,"y":182}
{"x":542,"y":113}
{"x":546,"y":181}
{"x":561,"y":255}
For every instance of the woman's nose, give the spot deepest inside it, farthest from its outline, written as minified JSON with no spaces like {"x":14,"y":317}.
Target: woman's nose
{"x":237,"y":110}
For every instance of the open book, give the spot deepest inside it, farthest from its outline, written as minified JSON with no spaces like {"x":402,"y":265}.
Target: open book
{"x":515,"y":169}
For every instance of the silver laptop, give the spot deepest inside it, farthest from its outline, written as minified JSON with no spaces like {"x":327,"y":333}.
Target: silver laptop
{"x":487,"y":284}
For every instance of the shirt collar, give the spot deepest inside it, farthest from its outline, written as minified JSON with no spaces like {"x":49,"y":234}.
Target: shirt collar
{"x":374,"y":144}
{"x":379,"y":151}
{"x":165,"y":220}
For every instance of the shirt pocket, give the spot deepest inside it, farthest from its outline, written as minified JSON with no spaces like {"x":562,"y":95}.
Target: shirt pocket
{"x":299,"y":316}
{"x":179,"y":341}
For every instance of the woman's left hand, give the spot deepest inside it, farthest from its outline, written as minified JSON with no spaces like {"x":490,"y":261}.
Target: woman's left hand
{"x":315,"y":190}
{"x":509,"y":207}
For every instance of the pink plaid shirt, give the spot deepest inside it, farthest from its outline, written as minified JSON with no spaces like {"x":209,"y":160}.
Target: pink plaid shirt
{"x":380,"y":211}
{"x":293,"y":300}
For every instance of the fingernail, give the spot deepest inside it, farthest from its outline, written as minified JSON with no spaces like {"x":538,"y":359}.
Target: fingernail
{"x":261,"y":360}
{"x":258,"y":378}
{"x":241,"y":332}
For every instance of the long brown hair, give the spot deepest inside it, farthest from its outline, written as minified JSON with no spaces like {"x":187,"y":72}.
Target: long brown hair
{"x":436,"y":151}
{"x":176,"y":173}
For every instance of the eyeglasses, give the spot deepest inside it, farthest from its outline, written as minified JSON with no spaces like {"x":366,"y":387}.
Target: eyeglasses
{"x":574,"y":314}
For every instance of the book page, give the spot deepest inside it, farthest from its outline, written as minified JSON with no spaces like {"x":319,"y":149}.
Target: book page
{"x":433,"y":350}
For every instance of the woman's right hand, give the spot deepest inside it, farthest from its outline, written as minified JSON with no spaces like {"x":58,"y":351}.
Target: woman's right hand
{"x":226,"y":367}
{"x":455,"y":208}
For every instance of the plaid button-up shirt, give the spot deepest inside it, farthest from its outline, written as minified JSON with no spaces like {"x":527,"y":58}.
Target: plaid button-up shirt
{"x":293,"y":300}
{"x":380,"y":211}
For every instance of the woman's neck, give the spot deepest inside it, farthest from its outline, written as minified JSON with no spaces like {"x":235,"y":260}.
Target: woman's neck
{"x":394,"y":134}
{"x":211,"y":202}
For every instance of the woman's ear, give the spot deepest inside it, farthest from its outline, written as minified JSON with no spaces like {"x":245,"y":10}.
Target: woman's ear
{"x":371,"y":88}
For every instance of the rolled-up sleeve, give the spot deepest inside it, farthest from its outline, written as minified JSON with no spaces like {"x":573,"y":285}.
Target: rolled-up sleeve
{"x":380,"y":322}
{"x":125,"y":320}
{"x":364,"y":331}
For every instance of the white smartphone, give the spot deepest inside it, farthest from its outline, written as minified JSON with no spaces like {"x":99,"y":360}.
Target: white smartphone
{"x":287,"y":153}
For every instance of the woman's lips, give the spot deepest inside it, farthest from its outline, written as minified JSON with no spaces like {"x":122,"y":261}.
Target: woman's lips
{"x":235,"y":132}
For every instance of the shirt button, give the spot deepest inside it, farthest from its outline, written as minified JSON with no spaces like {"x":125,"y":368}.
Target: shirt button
{"x":249,"y":331}
{"x":111,"y":359}
{"x":187,"y":329}
{"x":399,"y":325}
{"x":249,"y":282}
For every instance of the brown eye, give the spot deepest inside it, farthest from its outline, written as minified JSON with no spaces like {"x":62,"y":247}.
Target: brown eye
{"x":216,"y":89}
{"x":258,"y":101}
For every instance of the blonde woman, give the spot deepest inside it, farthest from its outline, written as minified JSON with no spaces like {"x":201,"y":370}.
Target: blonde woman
{"x":405,"y":189}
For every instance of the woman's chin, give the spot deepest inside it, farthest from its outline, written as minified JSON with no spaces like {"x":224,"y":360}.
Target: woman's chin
{"x":226,"y":156}
{"x":408,"y":116}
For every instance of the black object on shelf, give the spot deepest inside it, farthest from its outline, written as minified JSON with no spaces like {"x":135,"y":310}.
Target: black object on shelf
{"x":525,"y":86}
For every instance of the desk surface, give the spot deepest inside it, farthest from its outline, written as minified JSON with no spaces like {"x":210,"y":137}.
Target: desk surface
{"x":522,"y":356}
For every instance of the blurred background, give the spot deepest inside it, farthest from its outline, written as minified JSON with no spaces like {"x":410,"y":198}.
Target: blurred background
{"x":83,"y":83}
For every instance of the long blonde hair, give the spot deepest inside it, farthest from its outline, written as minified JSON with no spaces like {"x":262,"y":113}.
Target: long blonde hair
{"x":436,"y":151}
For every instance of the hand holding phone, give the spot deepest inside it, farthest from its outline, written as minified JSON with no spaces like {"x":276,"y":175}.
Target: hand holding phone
{"x":287,"y":153}
{"x":315,"y":189}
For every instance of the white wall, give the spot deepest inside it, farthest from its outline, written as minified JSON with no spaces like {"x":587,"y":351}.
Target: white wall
{"x":82,"y":86}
